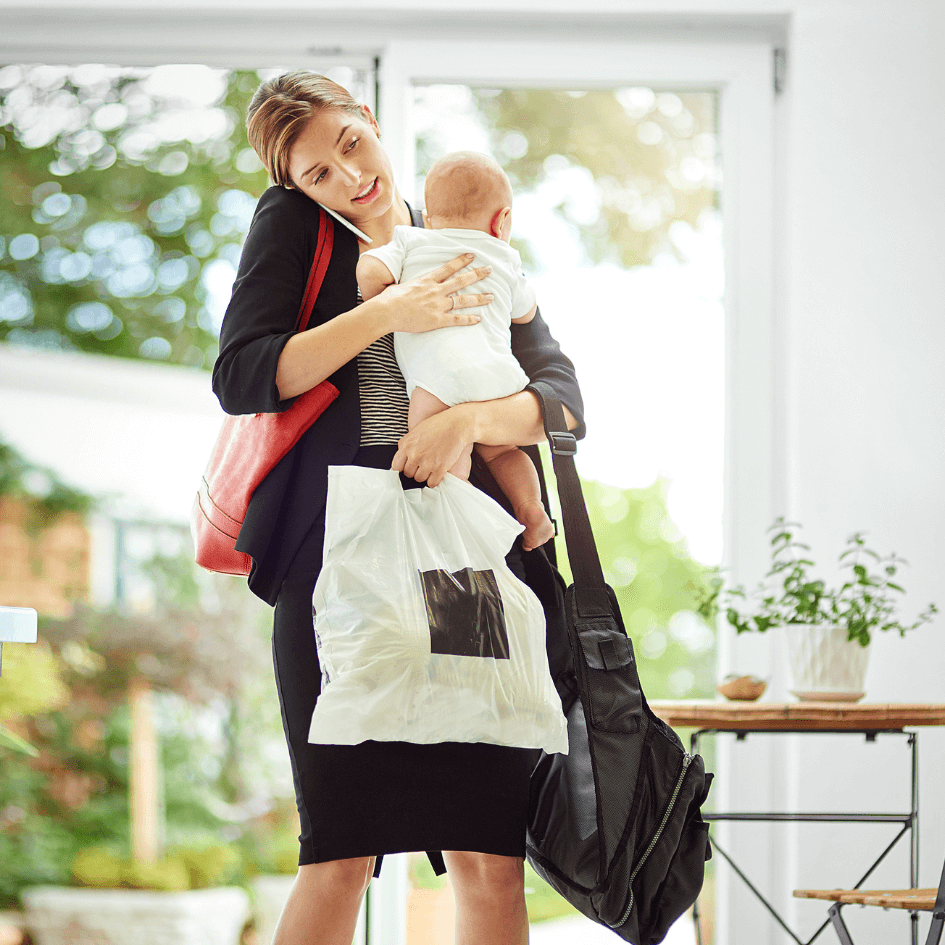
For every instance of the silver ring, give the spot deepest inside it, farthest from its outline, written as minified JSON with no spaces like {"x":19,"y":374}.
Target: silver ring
{"x":452,"y":302}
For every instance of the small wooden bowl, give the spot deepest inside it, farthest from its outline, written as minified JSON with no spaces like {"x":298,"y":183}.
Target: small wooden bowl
{"x":742,"y":688}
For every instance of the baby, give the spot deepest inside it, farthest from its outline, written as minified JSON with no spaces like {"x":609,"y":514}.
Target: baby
{"x":468,"y":210}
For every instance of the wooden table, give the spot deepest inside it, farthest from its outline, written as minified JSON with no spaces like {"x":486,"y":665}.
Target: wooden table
{"x":869,"y":719}
{"x":797,"y":716}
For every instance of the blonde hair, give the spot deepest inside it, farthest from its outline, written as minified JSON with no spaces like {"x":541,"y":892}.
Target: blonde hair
{"x":280,"y":110}
{"x":466,"y":185}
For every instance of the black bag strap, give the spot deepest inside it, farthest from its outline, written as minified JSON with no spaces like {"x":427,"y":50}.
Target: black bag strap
{"x":578,"y":536}
{"x":599,"y":640}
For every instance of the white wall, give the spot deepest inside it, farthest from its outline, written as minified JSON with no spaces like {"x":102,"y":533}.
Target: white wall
{"x":864,"y":280}
{"x":861,"y":299}
{"x":138,"y":435}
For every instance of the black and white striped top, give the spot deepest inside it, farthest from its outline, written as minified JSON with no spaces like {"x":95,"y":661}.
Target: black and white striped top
{"x":383,"y":394}
{"x":383,"y":390}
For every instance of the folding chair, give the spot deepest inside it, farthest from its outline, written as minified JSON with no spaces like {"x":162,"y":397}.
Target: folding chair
{"x":912,"y":900}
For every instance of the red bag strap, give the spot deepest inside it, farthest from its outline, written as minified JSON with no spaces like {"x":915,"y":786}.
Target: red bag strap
{"x":323,"y":248}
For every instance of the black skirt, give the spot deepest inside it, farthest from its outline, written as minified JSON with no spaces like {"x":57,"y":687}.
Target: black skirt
{"x":386,"y":797}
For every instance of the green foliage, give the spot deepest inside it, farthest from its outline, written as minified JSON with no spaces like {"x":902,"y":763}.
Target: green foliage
{"x":44,"y":495}
{"x":213,"y":865}
{"x":269,"y":844}
{"x":647,"y":563}
{"x":106,"y":868}
{"x":9,"y":739}
{"x":127,"y":202}
{"x":74,"y":795}
{"x":102,"y":868}
{"x":30,"y":684}
{"x":543,"y":901}
{"x":69,"y":796}
{"x":73,"y":799}
{"x":422,"y":875}
{"x":122,"y":199}
{"x":219,"y":774}
{"x":625,"y":164}
{"x":866,"y":601}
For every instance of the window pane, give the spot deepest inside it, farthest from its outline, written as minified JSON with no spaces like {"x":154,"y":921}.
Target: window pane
{"x":616,"y":215}
{"x":128,"y":195}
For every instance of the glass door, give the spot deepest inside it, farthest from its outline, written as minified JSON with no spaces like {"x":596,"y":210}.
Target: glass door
{"x":616,"y":216}
{"x":620,"y":162}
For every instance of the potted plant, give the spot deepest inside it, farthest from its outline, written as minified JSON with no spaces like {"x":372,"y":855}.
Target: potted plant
{"x":829,"y":628}
{"x":183,"y":897}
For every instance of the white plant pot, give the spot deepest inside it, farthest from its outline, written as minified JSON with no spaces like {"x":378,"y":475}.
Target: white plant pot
{"x":825,"y":665}
{"x":270,"y":894}
{"x":59,"y":914}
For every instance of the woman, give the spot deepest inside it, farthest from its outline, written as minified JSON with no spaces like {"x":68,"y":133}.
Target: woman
{"x":358,"y":802}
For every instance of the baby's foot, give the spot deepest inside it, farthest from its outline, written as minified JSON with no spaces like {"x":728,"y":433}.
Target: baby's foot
{"x":538,"y":527}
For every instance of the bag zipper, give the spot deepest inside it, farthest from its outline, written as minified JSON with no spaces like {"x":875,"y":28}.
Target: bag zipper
{"x":687,"y":760}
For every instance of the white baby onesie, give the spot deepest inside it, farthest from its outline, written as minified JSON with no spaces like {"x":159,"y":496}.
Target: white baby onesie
{"x":465,"y":362}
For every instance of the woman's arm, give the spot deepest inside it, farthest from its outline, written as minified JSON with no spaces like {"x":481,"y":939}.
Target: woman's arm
{"x":433,"y":446}
{"x":422,"y":304}
{"x":261,"y":316}
{"x":263,"y":362}
{"x":428,"y":451}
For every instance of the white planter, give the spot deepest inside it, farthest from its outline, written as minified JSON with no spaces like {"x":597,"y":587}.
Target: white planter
{"x":825,"y":665}
{"x":270,"y":893}
{"x":59,"y":914}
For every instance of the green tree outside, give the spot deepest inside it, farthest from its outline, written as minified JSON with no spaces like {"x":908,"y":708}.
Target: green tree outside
{"x":125,"y":207}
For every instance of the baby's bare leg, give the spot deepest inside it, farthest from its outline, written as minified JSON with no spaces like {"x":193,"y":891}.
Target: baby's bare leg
{"x":422,"y":405}
{"x":518,"y":478}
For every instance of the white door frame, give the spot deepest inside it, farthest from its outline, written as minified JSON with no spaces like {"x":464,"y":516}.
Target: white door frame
{"x":742,"y":74}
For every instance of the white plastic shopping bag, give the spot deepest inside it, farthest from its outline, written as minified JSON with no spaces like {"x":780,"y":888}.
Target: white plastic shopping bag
{"x":424,"y":635}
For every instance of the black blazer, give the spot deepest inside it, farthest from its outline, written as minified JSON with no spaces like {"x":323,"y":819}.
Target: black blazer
{"x":260,"y":319}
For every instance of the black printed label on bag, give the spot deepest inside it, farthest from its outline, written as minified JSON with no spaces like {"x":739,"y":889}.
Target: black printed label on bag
{"x":465,"y":613}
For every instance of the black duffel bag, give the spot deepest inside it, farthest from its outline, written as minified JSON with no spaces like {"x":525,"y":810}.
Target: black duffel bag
{"x":615,"y":825}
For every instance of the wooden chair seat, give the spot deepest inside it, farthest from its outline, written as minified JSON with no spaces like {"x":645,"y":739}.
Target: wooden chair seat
{"x":915,"y":900}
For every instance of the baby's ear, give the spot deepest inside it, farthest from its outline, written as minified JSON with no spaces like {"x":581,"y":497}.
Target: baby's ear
{"x":502,"y":224}
{"x":426,"y":221}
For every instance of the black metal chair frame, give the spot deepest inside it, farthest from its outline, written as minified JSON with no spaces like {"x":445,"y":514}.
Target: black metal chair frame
{"x":908,"y":820}
{"x":935,"y":929}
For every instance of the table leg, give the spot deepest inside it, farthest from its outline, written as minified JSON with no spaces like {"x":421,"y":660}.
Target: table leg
{"x":914,"y":836}
{"x":839,"y":926}
{"x":693,"y":750}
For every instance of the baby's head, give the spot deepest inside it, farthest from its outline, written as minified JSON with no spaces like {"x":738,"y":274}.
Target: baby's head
{"x":469,"y":190}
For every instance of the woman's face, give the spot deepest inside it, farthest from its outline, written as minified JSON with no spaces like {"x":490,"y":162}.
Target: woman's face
{"x":338,"y":161}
